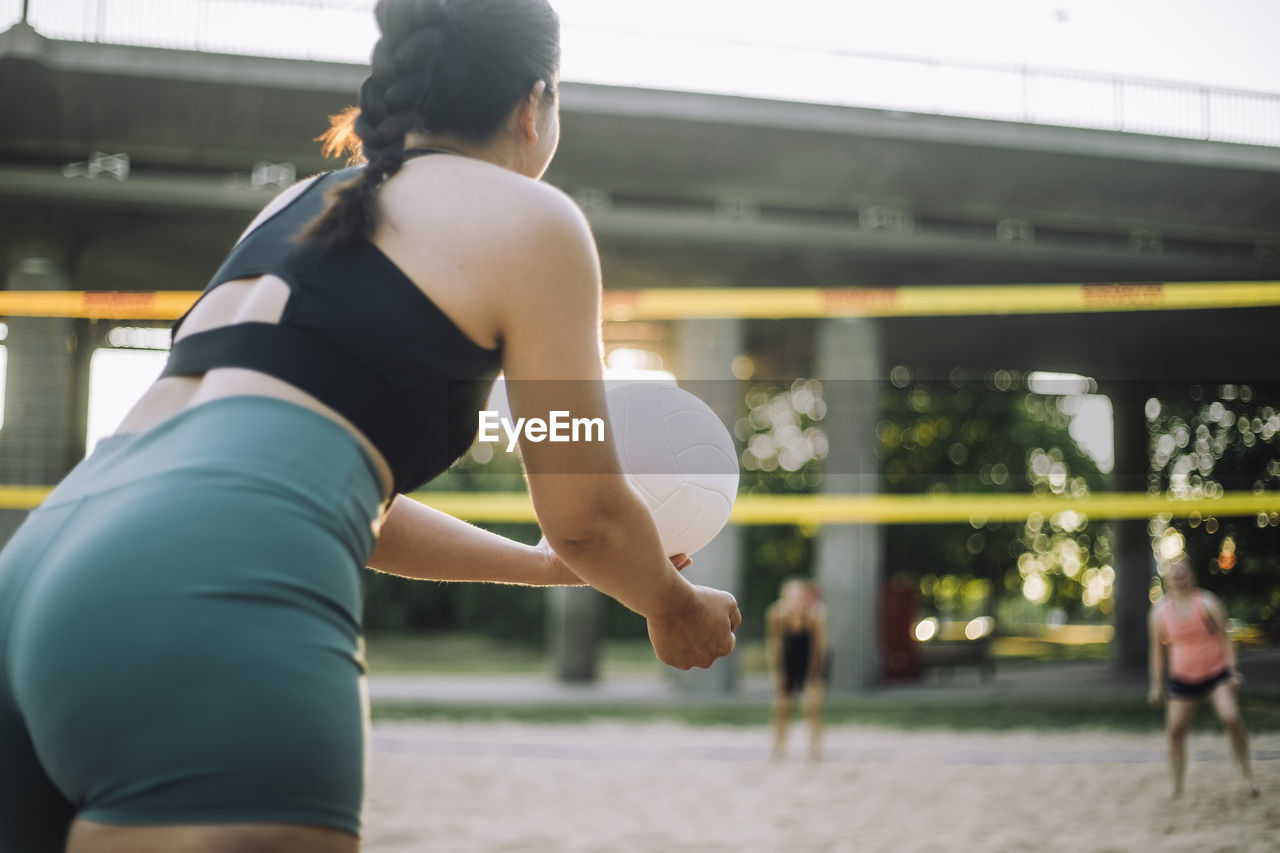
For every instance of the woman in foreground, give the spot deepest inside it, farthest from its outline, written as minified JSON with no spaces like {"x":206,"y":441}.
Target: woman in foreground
{"x":179,"y":621}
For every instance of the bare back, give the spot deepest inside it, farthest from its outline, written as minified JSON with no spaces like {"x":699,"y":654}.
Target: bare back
{"x":430,"y":213}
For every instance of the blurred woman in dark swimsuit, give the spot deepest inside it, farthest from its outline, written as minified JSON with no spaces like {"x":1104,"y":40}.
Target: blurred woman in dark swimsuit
{"x":796,"y":636}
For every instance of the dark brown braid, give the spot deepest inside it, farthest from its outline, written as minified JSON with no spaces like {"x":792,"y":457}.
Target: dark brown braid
{"x":453,"y":67}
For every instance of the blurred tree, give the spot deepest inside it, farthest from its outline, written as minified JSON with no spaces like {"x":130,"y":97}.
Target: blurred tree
{"x":992,"y":434}
{"x":779,"y":428}
{"x":989,"y":434}
{"x":1207,"y":439}
{"x":962,"y":435}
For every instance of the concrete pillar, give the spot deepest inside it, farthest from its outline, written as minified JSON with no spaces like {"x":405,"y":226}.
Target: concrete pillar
{"x":849,"y":556}
{"x":1131,"y":545}
{"x":705,"y":349}
{"x":704,"y":354}
{"x":43,"y":433}
{"x":44,"y":402}
{"x":573,"y":630}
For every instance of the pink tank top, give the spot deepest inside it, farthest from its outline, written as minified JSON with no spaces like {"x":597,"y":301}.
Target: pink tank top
{"x":1195,"y":652}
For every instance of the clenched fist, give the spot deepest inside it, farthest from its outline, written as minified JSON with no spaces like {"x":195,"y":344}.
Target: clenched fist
{"x":697,"y":629}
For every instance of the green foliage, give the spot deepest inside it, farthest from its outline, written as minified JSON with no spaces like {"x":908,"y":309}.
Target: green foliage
{"x":1206,"y":440}
{"x":989,"y":435}
{"x":986,"y":434}
{"x":1262,"y":710}
{"x":773,"y":553}
{"x":780,"y":428}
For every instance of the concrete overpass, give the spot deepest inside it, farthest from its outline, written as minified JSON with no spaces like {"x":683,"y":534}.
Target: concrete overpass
{"x":722,"y":189}
{"x":682,"y":190}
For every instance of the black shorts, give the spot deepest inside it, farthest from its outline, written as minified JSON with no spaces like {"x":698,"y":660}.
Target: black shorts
{"x":1194,"y":690}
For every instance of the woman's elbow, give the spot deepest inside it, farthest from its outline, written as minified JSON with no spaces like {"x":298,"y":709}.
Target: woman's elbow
{"x":582,"y":533}
{"x":593,"y":519}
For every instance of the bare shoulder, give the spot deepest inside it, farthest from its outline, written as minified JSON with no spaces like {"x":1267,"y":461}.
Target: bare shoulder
{"x":542,"y":212}
{"x":1215,"y":605}
{"x":548,"y":243}
{"x":278,"y":203}
{"x":498,"y":225}
{"x":1157,"y":609}
{"x":544,"y":198}
{"x":471,"y":192}
{"x":1210,"y":599}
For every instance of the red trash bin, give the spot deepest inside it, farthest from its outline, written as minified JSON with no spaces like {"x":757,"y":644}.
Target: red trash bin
{"x":898,"y":617}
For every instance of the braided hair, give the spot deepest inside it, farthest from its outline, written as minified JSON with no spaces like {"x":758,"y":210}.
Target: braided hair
{"x":451,"y":67}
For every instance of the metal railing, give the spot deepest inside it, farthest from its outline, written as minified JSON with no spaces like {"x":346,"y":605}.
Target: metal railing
{"x":343,"y":31}
{"x":335,"y":30}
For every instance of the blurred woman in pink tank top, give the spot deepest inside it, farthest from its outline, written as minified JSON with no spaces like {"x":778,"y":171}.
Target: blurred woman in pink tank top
{"x":1191,"y":624}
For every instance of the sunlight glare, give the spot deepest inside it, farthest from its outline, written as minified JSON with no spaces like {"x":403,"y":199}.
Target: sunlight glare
{"x":117,"y":379}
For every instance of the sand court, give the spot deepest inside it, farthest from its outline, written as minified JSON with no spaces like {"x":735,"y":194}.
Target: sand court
{"x":663,"y":786}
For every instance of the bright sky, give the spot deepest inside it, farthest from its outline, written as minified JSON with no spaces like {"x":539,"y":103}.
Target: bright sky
{"x":804,"y":50}
{"x":1220,"y":42}
{"x":117,"y":379}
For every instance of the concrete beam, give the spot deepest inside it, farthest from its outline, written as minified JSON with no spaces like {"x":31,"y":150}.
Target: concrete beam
{"x":161,"y":194}
{"x":749,"y":113}
{"x":23,"y":42}
{"x":209,"y":112}
{"x":119,"y":60}
{"x":158,"y":193}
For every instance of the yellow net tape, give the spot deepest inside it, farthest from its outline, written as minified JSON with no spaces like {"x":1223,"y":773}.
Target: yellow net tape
{"x":670,"y":303}
{"x":816,"y":510}
{"x":957,"y":301}
{"x":764,"y":302}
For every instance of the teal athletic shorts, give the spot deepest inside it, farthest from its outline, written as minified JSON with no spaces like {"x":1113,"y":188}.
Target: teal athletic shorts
{"x":180,"y":630}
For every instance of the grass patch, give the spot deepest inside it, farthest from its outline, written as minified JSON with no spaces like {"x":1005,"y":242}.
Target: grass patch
{"x":451,"y":654}
{"x":466,"y":654}
{"x":460,"y":654}
{"x":476,"y":654}
{"x":744,"y":715}
{"x":1261,"y":712}
{"x":1040,"y":650}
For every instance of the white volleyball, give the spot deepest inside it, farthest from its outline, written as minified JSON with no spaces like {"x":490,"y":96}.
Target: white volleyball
{"x":679,"y":456}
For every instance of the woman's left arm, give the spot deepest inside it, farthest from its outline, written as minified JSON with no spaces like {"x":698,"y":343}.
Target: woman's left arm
{"x":422,"y":543}
{"x":419,"y":542}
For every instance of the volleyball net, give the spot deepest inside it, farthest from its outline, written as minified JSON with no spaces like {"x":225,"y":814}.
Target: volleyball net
{"x":936,"y":507}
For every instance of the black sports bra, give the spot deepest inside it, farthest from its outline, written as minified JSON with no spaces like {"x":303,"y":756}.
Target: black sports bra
{"x":356,"y":334}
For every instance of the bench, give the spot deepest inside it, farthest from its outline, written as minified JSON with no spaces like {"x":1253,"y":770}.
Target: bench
{"x":945,"y":656}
